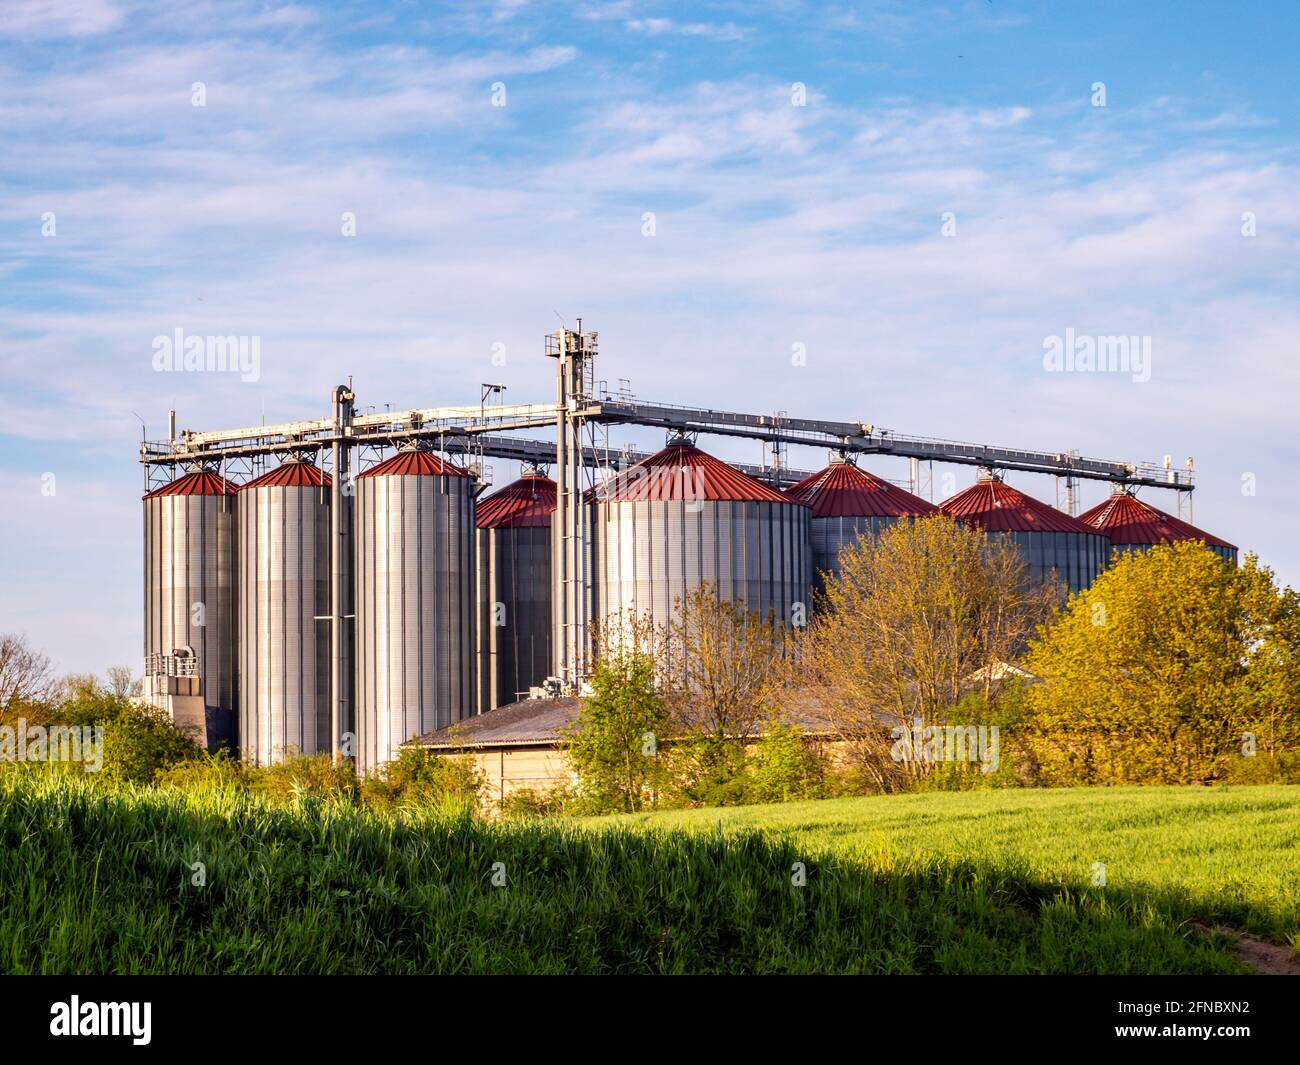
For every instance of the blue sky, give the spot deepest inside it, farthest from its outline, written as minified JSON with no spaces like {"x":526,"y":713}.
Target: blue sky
{"x":775,"y":225}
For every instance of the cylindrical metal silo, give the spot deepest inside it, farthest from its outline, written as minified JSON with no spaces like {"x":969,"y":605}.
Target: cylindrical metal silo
{"x":189,"y":588}
{"x":681,"y":518}
{"x":414,"y":588}
{"x":284,"y":605}
{"x":847,"y":503}
{"x":1132,"y":525}
{"x":513,"y":557}
{"x":1051,"y":542}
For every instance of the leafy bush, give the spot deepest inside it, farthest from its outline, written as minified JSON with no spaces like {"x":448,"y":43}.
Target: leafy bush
{"x":421,"y":777}
{"x":139,"y":741}
{"x":782,"y":764}
{"x":1264,"y":768}
{"x":785,"y":765}
{"x":539,"y":802}
{"x":304,"y":775}
{"x":416,"y":778}
{"x":1009,"y":764}
{"x":701,"y":769}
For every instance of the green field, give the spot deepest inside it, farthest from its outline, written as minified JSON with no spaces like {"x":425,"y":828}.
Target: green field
{"x":1229,"y":855}
{"x":95,"y":880}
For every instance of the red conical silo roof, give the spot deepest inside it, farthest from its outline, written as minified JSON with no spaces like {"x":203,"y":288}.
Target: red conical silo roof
{"x":290,"y":475}
{"x":1127,"y":521}
{"x":842,"y":490}
{"x":683,"y":471}
{"x":995,"y":506}
{"x":525,"y":504}
{"x":413,"y":463}
{"x":196,"y":483}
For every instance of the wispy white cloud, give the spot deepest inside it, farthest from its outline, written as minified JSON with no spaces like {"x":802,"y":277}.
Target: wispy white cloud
{"x":504,"y":10}
{"x":256,"y":96}
{"x":610,"y":11}
{"x":657,"y":27}
{"x":35,"y":19}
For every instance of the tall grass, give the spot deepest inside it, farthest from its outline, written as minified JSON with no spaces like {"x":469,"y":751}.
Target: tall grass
{"x":94,"y":880}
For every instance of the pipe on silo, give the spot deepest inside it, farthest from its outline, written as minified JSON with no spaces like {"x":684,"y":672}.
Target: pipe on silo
{"x":340,"y":550}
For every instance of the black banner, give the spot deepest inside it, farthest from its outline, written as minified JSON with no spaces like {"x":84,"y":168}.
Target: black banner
{"x":166,"y":1014}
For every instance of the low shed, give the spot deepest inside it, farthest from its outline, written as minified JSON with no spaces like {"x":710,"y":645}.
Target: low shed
{"x":516,"y":746}
{"x":522,"y":745}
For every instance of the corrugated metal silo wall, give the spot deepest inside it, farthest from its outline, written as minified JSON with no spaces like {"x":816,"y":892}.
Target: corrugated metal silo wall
{"x":648,"y":554}
{"x":485,"y":646}
{"x":284,"y":651}
{"x":190,"y":597}
{"x":414,"y":610}
{"x":1076,"y":558}
{"x":514,"y":570}
{"x":1228,"y":554}
{"x":348,"y":603}
{"x":831,"y":535}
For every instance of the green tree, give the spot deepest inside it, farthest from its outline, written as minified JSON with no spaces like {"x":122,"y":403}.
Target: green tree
{"x":1164,"y":671}
{"x":917,"y":619}
{"x":719,"y":667}
{"x":1273,"y":682}
{"x":616,"y":737}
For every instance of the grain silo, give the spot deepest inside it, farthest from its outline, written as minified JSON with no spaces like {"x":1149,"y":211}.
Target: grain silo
{"x":1051,"y":541}
{"x":1130,"y":524}
{"x":284,"y":606}
{"x":847,"y":503}
{"x":681,"y":518}
{"x":513,"y":559}
{"x":414,"y":529}
{"x":189,"y":589}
